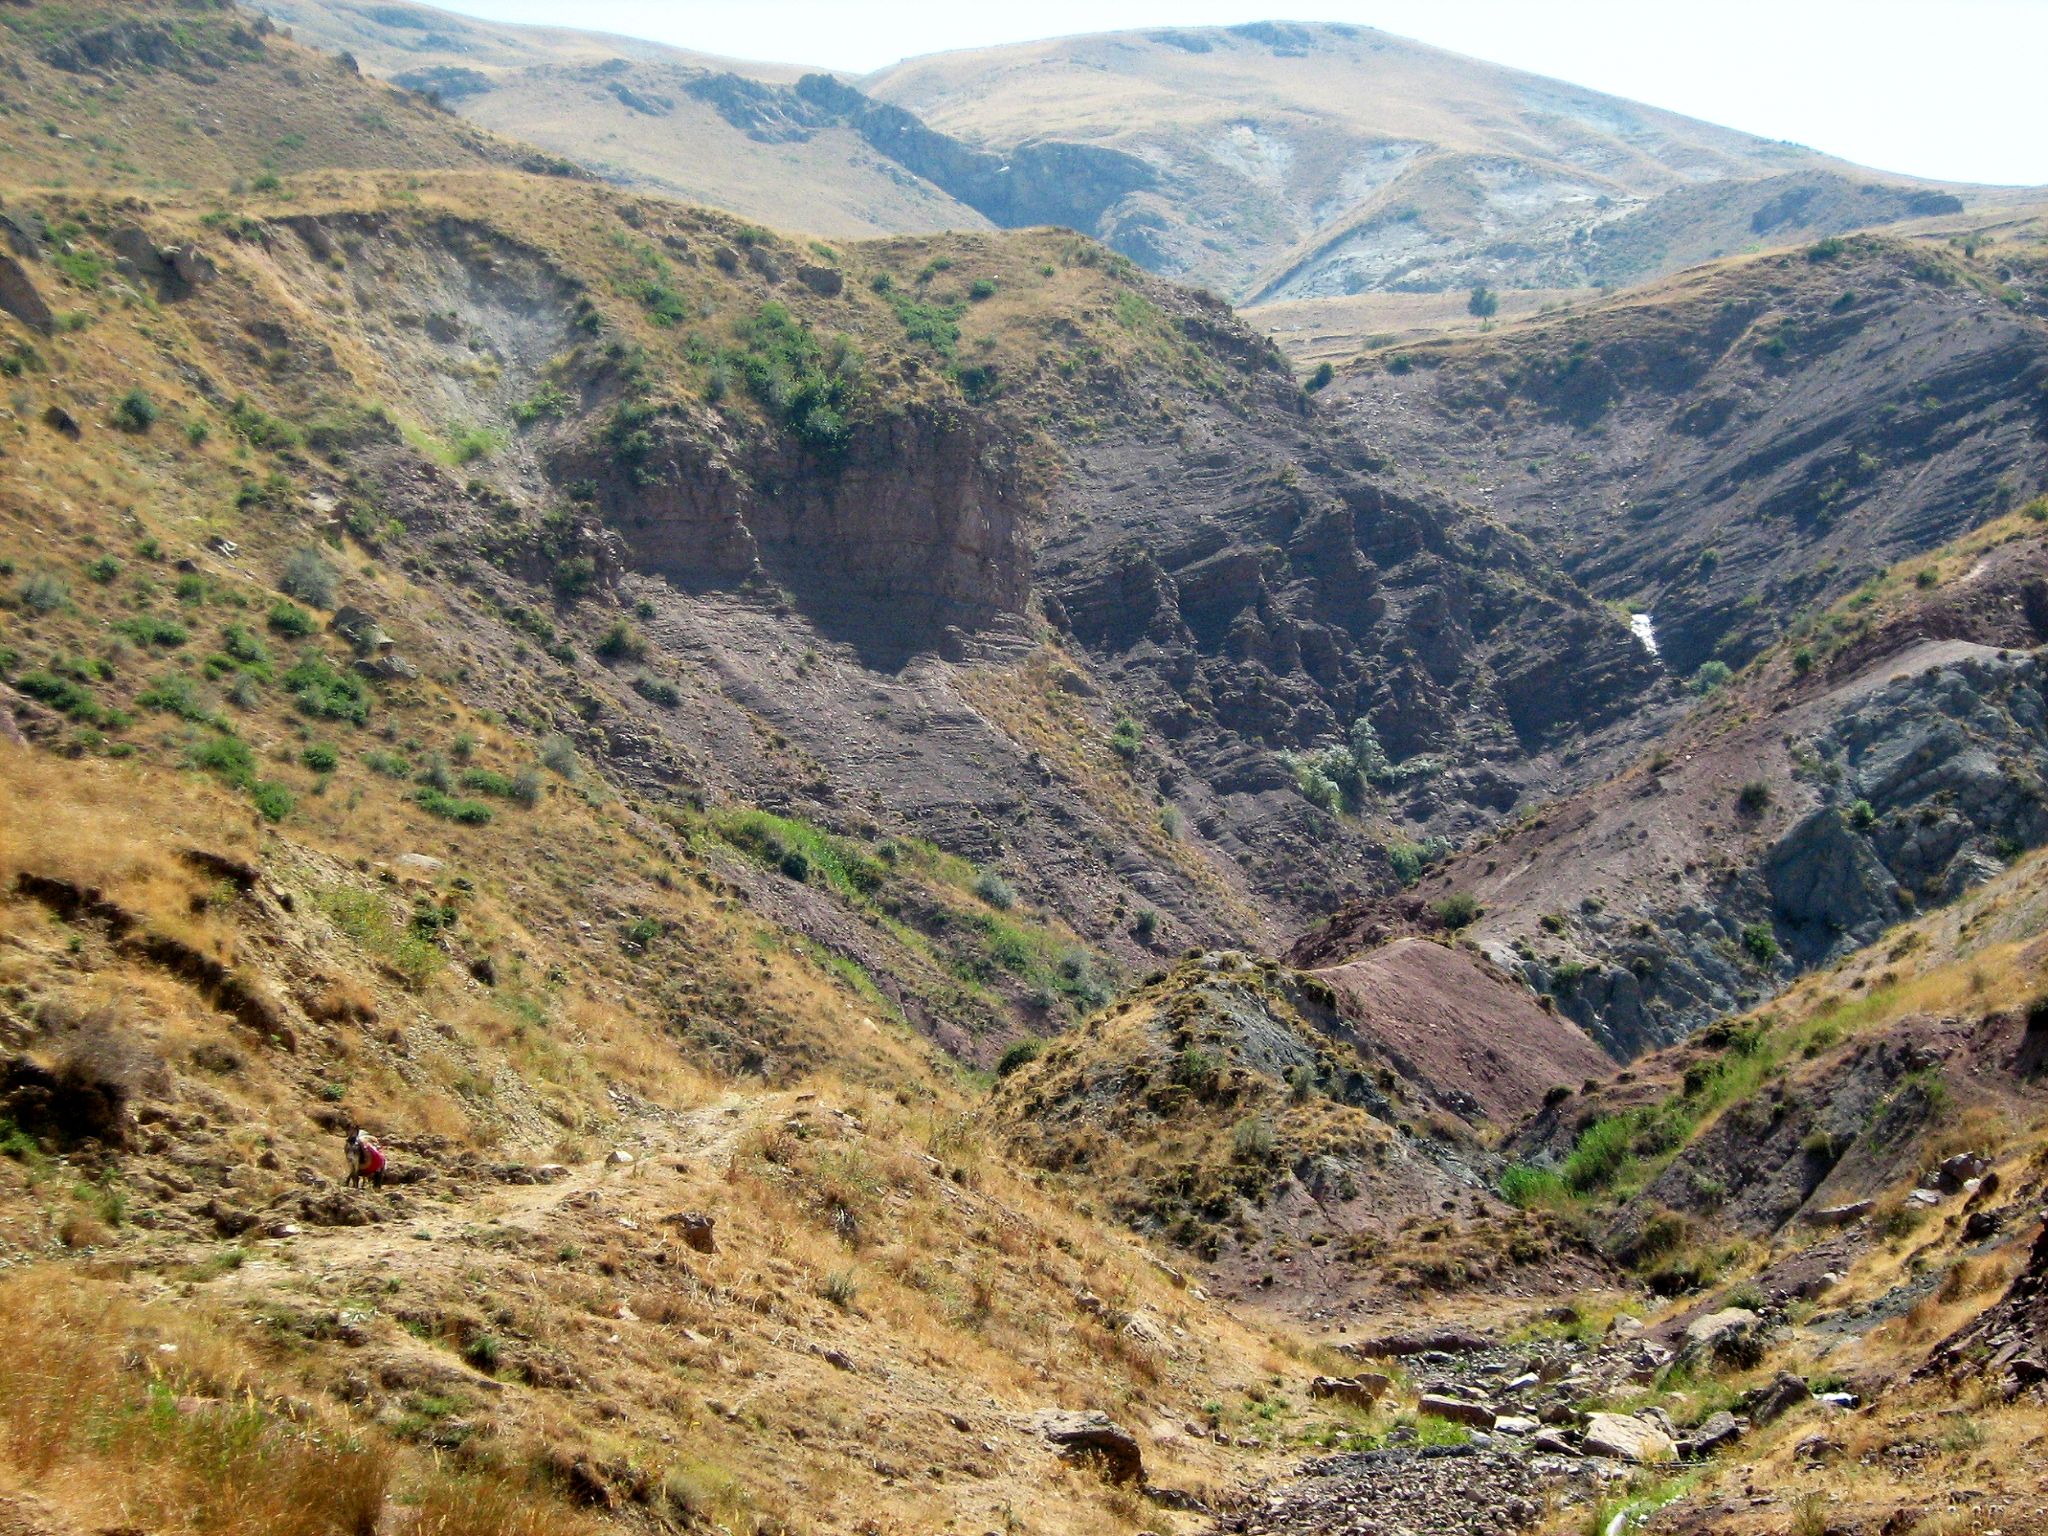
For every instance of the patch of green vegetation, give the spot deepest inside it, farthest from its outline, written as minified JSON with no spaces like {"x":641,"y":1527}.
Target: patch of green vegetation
{"x":437,"y":802}
{"x":148,"y":629}
{"x":366,"y":917}
{"x":325,"y":692}
{"x":228,"y":758}
{"x":259,"y":428}
{"x":810,"y":387}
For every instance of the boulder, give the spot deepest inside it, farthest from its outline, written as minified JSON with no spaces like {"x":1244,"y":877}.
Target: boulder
{"x":827,"y":282}
{"x":1516,"y":1424}
{"x":1552,"y":1443}
{"x":387,"y":668}
{"x":21,"y":299}
{"x":696,"y":1230}
{"x":1456,"y":1409}
{"x":190,"y":266}
{"x":1774,"y":1400}
{"x":1094,"y":1437}
{"x":1703,"y":1332}
{"x":1624,"y":1437}
{"x":1840,"y":1215}
{"x":1957,"y":1171}
{"x":1360,"y":1391}
{"x":1710,"y":1435}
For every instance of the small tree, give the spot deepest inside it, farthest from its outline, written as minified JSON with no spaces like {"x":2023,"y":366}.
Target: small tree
{"x":1483,"y":302}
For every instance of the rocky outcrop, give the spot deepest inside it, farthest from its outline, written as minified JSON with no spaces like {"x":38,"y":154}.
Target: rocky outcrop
{"x":1752,"y":446}
{"x":1044,"y":182}
{"x":914,"y":529}
{"x":20,"y":298}
{"x":2007,"y":1344}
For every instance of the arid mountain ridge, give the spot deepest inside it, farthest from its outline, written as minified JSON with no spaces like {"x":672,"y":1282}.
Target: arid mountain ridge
{"x":1271,"y":161}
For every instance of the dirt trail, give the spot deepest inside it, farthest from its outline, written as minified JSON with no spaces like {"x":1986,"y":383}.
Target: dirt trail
{"x":423,"y":1220}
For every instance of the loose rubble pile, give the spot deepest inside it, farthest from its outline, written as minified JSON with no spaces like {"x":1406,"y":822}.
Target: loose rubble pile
{"x":1539,"y":1433}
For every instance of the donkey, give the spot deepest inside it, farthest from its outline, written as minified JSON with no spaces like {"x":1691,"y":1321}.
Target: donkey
{"x":365,"y":1159}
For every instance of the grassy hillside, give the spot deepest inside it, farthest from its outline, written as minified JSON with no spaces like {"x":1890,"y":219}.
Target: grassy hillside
{"x":702,"y":741}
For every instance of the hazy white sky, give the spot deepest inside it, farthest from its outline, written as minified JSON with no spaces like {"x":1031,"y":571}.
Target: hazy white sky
{"x":1942,"y":88}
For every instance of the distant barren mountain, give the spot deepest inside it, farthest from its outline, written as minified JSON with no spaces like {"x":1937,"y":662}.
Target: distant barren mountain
{"x":1273,"y":162}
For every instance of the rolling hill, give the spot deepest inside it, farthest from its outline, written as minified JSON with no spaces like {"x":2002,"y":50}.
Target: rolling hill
{"x":1275,"y":163}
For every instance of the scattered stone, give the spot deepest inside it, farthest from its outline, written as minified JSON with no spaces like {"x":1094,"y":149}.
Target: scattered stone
{"x":1841,"y":1215}
{"x":696,"y":1230}
{"x":1784,"y":1393}
{"x":1625,"y":1437}
{"x":228,"y":1220}
{"x":1924,"y":1197}
{"x":1361,"y":1391}
{"x":1449,"y":1341}
{"x":1094,"y":1437}
{"x":1551,"y":1443}
{"x":1517,"y":1425}
{"x":619,"y":1157}
{"x":1979,"y":1225}
{"x":1955,"y":1173}
{"x":1457,"y":1410}
{"x":1704,"y":1332}
{"x":1710,"y":1435}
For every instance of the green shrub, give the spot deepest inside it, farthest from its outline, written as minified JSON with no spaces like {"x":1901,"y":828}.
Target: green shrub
{"x":995,"y":890}
{"x":622,"y":642}
{"x":1126,"y":738}
{"x":982,"y":288}
{"x":1754,"y":798}
{"x":64,"y":695}
{"x":320,"y":757}
{"x":291,"y":620}
{"x":1458,"y":910}
{"x":1020,"y":1053}
{"x":325,"y":692}
{"x":1527,"y":1187}
{"x":227,"y":757}
{"x":176,"y":695}
{"x":1762,"y":945}
{"x":558,"y":753}
{"x":436,"y":803}
{"x":658,"y":690}
{"x":309,"y":577}
{"x":42,"y":593}
{"x":148,"y":629}
{"x":794,"y":376}
{"x":135,"y":411}
{"x":272,"y":799}
{"x":1252,"y":1140}
{"x":1603,"y":1150}
{"x":1710,"y":676}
